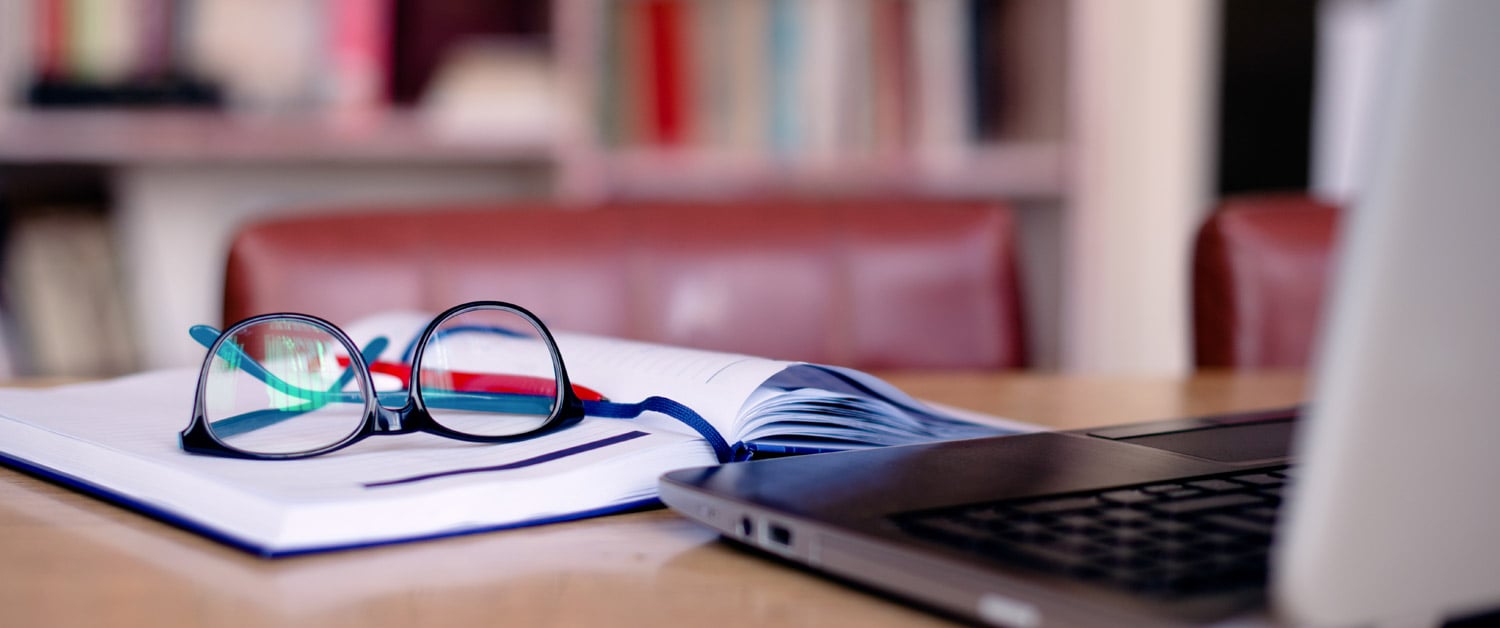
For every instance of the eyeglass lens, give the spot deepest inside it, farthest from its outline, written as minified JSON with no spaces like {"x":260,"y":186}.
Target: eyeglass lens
{"x":488,"y":371}
{"x":283,"y":386}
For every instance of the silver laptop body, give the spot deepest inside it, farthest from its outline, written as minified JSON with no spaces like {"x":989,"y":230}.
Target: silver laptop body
{"x":1391,"y":510}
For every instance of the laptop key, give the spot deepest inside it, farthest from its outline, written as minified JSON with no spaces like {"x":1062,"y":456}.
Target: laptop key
{"x":1124,"y":516}
{"x":1218,"y":538}
{"x":1077,"y":543}
{"x":1260,"y":479}
{"x":1026,"y":529}
{"x":953,"y":530}
{"x":1170,"y":547}
{"x":1264,"y":514}
{"x":1046,"y":556}
{"x":984,"y":515}
{"x":1170,"y":528}
{"x":1125,"y":536}
{"x":1215,"y":485}
{"x":1076,"y":522}
{"x":1129,"y":496}
{"x":1208,"y":503}
{"x":1122,"y":556}
{"x":1241,"y":524}
{"x":1096,"y":530}
{"x":1055,"y":506}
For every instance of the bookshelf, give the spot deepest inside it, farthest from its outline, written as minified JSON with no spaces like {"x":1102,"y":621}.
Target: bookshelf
{"x":1010,"y":170}
{"x":882,"y":94}
{"x":702,"y":97}
{"x":128,"y":137}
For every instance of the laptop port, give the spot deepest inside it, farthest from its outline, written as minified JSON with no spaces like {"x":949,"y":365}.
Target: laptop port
{"x":779,"y":535}
{"x":747,"y":527}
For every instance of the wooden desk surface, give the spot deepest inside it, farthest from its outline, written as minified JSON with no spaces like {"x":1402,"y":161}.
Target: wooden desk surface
{"x":69,"y":560}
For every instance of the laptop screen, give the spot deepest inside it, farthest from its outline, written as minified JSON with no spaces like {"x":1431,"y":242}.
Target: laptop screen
{"x":1395,"y":515}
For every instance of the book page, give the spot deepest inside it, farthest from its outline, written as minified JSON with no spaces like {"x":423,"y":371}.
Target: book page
{"x":714,"y":384}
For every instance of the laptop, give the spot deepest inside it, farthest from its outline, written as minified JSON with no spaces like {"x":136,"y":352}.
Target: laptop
{"x":1379,"y":504}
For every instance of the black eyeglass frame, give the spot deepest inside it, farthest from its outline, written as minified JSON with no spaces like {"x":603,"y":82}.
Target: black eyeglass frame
{"x":413,"y":416}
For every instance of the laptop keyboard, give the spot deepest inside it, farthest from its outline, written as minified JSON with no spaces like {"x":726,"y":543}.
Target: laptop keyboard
{"x":1207,"y":535}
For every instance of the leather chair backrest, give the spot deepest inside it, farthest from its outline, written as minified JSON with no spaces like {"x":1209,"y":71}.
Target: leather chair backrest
{"x":867,"y":285}
{"x":1260,"y":273}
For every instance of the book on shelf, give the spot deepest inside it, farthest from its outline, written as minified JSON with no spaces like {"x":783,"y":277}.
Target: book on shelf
{"x":269,"y":56}
{"x":62,"y":289}
{"x":93,"y":53}
{"x":117,"y":439}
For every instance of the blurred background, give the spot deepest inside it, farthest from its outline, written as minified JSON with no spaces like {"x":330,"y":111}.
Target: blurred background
{"x":136,"y":135}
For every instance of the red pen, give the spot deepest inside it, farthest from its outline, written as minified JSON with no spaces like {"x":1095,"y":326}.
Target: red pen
{"x":482,"y":382}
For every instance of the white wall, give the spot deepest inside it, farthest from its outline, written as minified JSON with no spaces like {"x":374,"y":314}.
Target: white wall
{"x":1141,"y":136}
{"x":1350,"y":36}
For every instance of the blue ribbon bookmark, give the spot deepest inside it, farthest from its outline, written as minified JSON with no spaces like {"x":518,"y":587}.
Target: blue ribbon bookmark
{"x":663,"y":405}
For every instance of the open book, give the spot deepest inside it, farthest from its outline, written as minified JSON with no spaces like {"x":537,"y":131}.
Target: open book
{"x":118,"y":439}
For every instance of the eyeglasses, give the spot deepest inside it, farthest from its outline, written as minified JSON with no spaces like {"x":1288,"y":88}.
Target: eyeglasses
{"x":286,"y":386}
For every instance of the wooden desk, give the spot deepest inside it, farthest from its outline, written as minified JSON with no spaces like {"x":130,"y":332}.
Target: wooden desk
{"x":69,"y":560}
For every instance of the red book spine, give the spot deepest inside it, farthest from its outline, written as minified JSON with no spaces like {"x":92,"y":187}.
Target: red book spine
{"x":51,"y":38}
{"x":893,"y":68}
{"x":154,"y":48}
{"x":667,"y":90}
{"x":359,"y":57}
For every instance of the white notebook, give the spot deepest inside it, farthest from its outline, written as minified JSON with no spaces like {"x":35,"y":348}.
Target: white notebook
{"x":118,"y":439}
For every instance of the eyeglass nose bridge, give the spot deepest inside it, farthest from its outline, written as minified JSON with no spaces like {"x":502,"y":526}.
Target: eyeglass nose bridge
{"x":395,"y":420}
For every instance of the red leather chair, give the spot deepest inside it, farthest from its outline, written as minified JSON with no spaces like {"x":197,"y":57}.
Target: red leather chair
{"x":869,"y":285}
{"x":1260,"y":271}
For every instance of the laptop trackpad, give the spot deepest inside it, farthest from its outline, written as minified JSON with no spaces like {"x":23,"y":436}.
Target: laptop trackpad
{"x":1245,"y":442}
